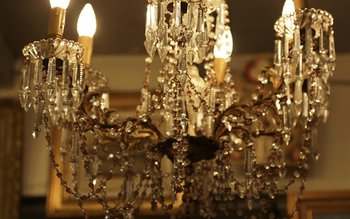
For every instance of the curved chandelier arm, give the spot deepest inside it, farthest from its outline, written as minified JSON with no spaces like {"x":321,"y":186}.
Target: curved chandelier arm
{"x":109,"y":124}
{"x":204,"y":125}
{"x":243,"y":116}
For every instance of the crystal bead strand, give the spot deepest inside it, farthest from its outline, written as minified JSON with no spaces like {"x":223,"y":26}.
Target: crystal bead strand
{"x":59,"y":165}
{"x":78,"y":85}
{"x":38,"y":97}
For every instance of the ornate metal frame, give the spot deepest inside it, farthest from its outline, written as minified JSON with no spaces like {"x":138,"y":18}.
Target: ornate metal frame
{"x":320,"y":202}
{"x":61,"y":204}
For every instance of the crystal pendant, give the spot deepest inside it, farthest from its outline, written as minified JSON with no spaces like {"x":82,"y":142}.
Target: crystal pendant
{"x":39,"y":111}
{"x":168,"y":124}
{"x":332,"y":54}
{"x":25,"y":93}
{"x":51,"y":71}
{"x":150,"y":43}
{"x":163,"y":44}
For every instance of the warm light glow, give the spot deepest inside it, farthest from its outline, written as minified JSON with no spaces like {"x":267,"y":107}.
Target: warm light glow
{"x":288,"y":7}
{"x":59,"y":3}
{"x":224,"y":46}
{"x":87,"y":22}
{"x":289,"y":10}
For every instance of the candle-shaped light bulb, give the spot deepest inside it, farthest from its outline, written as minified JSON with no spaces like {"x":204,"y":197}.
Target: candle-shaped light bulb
{"x":289,"y":12}
{"x":288,"y":7}
{"x":222,"y":50}
{"x":86,"y":29}
{"x":87,"y":22}
{"x":57,"y":17}
{"x":59,"y":4}
{"x":224,"y":46}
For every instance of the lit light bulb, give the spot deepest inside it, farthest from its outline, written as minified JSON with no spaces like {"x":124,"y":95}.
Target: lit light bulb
{"x":289,"y":10}
{"x":59,"y":4}
{"x":87,"y":22}
{"x":224,"y":46}
{"x":288,"y":7}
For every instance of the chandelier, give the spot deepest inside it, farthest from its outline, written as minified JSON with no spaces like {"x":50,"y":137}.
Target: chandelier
{"x":195,"y":120}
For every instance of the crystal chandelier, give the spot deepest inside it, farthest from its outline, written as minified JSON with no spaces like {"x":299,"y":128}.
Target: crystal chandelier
{"x":195,"y":122}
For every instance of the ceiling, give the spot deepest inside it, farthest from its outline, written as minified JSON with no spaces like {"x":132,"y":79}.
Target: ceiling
{"x":121,"y":23}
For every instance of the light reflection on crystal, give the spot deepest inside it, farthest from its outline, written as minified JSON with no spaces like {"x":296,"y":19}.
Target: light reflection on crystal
{"x":203,"y":125}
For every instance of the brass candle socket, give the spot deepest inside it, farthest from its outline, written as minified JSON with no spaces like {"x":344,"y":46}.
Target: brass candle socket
{"x":220,"y":66}
{"x":87,"y":43}
{"x":300,"y":4}
{"x":57,"y":21}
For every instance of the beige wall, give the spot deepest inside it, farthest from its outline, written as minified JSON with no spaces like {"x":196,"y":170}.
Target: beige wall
{"x":126,"y":74}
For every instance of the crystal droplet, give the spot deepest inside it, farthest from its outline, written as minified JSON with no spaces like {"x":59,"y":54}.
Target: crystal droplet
{"x":183,"y":62}
{"x":51,"y":70}
{"x":321,"y":41}
{"x":286,"y":117}
{"x":25,"y":99}
{"x":278,"y":52}
{"x":325,"y":115}
{"x":169,"y":124}
{"x":35,"y":133}
{"x":150,"y":46}
{"x":286,"y":137}
{"x":209,"y":126}
{"x":128,"y":189}
{"x":305,"y":105}
{"x":26,"y":76}
{"x":297,"y":47}
{"x":317,"y":156}
{"x":37,"y":78}
{"x":300,"y":67}
{"x":38,"y":119}
{"x":177,"y":13}
{"x":163,"y":44}
{"x":75,"y":149}
{"x":308,"y":41}
{"x":184,"y":124}
{"x":25,"y":93}
{"x":332,"y":54}
{"x":65,"y":141}
{"x":298,"y":93}
{"x":77,"y":98}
